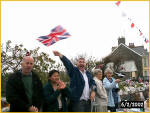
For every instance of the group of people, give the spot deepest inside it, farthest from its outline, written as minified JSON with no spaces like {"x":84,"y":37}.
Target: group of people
{"x":25,"y":93}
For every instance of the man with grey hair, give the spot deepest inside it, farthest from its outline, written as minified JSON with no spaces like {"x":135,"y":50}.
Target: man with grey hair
{"x":81,"y":83}
{"x":24,"y":88}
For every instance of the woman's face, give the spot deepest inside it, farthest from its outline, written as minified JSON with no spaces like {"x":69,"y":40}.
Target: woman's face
{"x":99,"y":75}
{"x":55,"y":77}
{"x":109,"y":75}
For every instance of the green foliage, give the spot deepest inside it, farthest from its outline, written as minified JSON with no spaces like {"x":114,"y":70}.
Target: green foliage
{"x":42,"y":65}
{"x":64,"y":77}
{"x":3,"y":82}
{"x":139,"y":85}
{"x":121,"y":86}
{"x":90,"y":61}
{"x":11,"y":58}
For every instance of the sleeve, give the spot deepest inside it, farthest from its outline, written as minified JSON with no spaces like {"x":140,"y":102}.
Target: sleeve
{"x":98,"y":89}
{"x":109,"y":85}
{"x":93,"y":85}
{"x":68,"y":65}
{"x":50,"y":97}
{"x":66,"y":92}
{"x":38,"y":101}
{"x":13,"y":97}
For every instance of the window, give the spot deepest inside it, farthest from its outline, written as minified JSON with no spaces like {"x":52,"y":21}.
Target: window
{"x":145,"y":62}
{"x":145,"y":73}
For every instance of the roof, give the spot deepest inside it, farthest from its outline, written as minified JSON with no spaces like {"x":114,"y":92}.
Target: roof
{"x":139,"y":50}
{"x":123,"y":45}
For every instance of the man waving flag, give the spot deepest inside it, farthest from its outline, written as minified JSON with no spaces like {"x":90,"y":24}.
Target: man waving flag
{"x":58,"y":33}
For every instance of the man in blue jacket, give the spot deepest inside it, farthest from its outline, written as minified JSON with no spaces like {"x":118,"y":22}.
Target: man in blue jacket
{"x":81,"y":83}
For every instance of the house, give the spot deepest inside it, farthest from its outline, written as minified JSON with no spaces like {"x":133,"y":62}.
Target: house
{"x":131,"y":60}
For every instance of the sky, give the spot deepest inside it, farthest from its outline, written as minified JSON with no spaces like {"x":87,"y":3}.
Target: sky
{"x":95,"y":26}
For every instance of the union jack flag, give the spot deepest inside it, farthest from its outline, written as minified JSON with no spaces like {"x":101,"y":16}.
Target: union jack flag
{"x":57,"y":33}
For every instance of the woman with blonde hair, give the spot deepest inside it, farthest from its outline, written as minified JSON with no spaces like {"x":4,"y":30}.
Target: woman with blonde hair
{"x":101,"y":95}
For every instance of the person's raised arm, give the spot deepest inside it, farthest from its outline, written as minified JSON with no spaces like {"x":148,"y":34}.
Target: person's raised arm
{"x":56,"y":53}
{"x":67,"y":63}
{"x":109,"y":85}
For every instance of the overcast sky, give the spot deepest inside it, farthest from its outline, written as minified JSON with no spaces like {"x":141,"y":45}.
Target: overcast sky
{"x":94,"y":26}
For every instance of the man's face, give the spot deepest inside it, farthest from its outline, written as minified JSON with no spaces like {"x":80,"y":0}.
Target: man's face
{"x":27,"y":65}
{"x":81,"y":64}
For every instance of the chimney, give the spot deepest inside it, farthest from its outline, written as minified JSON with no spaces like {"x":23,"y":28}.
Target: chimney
{"x":131,"y":45}
{"x":121,"y":40}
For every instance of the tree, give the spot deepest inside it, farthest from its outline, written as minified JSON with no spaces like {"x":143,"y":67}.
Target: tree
{"x":90,"y":61}
{"x":12,"y":56}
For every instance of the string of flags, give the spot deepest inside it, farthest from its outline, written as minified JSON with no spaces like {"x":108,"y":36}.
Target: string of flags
{"x":57,"y":33}
{"x":132,"y":23}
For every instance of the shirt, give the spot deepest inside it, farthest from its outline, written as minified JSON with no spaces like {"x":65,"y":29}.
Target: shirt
{"x":59,"y":101}
{"x":27,"y":81}
{"x":86,"y":91}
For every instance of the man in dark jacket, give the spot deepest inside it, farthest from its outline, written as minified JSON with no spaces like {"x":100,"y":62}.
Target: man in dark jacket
{"x":81,"y":83}
{"x":24,"y":88}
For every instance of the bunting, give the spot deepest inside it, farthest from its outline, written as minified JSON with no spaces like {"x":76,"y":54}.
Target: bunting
{"x":133,"y":25}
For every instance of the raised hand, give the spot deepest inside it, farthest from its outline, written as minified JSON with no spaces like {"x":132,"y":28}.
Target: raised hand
{"x":56,"y":53}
